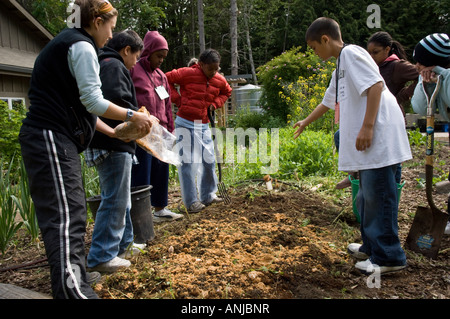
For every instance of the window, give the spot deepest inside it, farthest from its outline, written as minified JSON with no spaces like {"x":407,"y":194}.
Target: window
{"x":14,"y":103}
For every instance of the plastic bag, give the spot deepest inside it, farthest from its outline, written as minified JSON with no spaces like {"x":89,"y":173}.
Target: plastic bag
{"x":160,"y":143}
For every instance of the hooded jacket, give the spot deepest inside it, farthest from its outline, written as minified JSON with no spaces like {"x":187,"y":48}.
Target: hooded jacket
{"x":146,"y":80}
{"x":118,"y":88}
{"x":397,"y":73}
{"x":197,"y":92}
{"x":419,"y":100}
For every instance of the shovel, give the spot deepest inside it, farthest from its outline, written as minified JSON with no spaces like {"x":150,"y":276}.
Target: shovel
{"x":221,"y":186}
{"x":429,"y":223}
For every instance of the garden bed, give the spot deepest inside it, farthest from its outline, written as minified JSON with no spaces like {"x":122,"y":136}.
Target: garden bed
{"x":287,"y":243}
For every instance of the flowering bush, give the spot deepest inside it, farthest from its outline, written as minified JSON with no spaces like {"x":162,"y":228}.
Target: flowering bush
{"x":284,"y":78}
{"x":303,"y":95}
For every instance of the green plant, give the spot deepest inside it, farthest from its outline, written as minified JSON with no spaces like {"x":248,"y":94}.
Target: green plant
{"x":416,"y":138}
{"x":9,"y":131}
{"x":306,"y":93}
{"x":8,"y":224}
{"x":311,"y":154}
{"x":25,"y":205}
{"x":90,"y":178}
{"x":245,"y":118}
{"x":285,"y":68}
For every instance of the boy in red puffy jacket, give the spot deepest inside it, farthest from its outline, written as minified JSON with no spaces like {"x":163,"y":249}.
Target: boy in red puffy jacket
{"x":201,"y":88}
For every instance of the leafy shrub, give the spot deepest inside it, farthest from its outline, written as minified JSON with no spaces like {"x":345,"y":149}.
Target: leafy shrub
{"x":9,"y":131}
{"x":306,"y":93}
{"x":285,"y":68}
{"x":245,"y":118}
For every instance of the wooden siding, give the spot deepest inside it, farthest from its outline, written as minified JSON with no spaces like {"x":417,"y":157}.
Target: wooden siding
{"x":14,"y":35}
{"x":14,"y":86}
{"x":21,"y":40}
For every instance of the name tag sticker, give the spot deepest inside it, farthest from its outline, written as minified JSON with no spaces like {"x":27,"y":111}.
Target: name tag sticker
{"x":162,"y":92}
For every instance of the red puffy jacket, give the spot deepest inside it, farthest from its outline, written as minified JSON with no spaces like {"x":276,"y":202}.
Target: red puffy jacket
{"x":197,"y":93}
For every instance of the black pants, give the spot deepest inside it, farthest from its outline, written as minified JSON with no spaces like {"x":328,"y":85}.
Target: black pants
{"x":54,"y":172}
{"x":151,"y":171}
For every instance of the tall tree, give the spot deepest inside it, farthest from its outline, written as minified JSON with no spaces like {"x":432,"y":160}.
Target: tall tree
{"x":234,"y":38}
{"x":201,"y":25}
{"x":247,"y":9}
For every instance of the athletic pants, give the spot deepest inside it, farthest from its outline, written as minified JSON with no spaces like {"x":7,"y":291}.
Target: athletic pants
{"x":53,"y":167}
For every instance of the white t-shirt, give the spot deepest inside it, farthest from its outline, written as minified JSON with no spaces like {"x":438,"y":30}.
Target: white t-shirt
{"x":390,"y":144}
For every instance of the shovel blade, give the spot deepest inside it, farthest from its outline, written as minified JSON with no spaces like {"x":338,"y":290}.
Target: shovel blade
{"x":426,"y":232}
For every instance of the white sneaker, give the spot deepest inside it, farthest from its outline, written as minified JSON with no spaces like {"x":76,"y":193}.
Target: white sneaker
{"x":353,"y":250}
{"x":134,"y":250}
{"x":165,"y":215}
{"x":112,"y":265}
{"x":367,"y":267}
{"x":447,"y":228}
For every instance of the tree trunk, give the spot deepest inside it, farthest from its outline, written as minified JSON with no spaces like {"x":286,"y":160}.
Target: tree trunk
{"x":234,"y":38}
{"x":201,"y":26}
{"x":249,"y":44}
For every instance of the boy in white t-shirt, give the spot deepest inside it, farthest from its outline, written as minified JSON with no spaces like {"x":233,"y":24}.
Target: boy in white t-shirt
{"x":373,"y":141}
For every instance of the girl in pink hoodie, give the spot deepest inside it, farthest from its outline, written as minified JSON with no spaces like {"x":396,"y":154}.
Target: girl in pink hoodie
{"x":153,"y":92}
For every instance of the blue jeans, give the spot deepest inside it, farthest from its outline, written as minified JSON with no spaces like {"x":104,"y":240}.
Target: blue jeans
{"x":113,"y":230}
{"x":378,"y":207}
{"x":196,"y":149}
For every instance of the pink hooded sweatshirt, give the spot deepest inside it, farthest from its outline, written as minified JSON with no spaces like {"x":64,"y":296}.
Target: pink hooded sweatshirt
{"x":146,"y":79}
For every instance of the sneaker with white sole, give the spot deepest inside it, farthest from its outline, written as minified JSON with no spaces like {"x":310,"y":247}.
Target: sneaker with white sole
{"x":214,"y":200}
{"x":353,"y":250}
{"x":165,"y":215}
{"x":367,"y":267}
{"x":112,"y":265}
{"x":196,"y":207}
{"x":134,"y":250}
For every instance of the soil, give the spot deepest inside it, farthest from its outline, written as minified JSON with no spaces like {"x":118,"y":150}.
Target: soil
{"x":288,"y":243}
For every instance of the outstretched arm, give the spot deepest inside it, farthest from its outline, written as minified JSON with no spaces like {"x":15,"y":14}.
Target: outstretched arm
{"x":316,"y":114}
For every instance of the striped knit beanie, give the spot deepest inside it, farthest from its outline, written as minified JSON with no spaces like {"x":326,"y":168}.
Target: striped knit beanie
{"x":433,"y":50}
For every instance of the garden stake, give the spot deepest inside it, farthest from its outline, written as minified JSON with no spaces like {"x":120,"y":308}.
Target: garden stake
{"x":428,"y":225}
{"x":221,"y":186}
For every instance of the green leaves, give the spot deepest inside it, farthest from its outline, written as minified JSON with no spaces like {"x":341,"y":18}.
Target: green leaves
{"x":311,"y":154}
{"x":9,"y":130}
{"x":8,"y":213}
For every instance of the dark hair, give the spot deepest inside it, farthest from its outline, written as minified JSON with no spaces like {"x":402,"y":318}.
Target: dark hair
{"x":90,"y":9}
{"x":209,"y":56}
{"x":384,"y":39}
{"x":126,"y":38}
{"x":323,"y":26}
